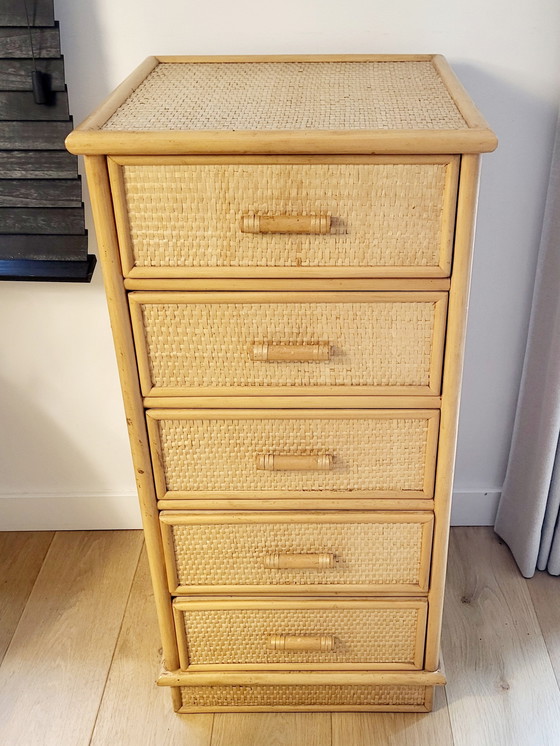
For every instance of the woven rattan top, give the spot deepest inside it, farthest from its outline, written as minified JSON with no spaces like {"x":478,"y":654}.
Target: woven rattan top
{"x":289,"y":96}
{"x":348,"y":104}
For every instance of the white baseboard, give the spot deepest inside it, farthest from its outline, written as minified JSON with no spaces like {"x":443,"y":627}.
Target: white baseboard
{"x":110,"y":511}
{"x":474,"y":508}
{"x":68,"y":512}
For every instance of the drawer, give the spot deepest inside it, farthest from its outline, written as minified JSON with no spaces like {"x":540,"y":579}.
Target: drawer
{"x":251,"y":454}
{"x":372,"y":216}
{"x":297,"y":553}
{"x":296,"y":343}
{"x":300,"y":634}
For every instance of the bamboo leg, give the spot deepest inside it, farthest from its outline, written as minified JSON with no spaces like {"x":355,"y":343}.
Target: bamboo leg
{"x":98,"y":183}
{"x":451,"y":392}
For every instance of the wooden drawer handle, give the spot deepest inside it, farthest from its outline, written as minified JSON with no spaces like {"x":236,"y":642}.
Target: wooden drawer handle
{"x":268,"y":351}
{"x":321,"y":643}
{"x":272,"y":462}
{"x":319,"y":224}
{"x":283,"y":561}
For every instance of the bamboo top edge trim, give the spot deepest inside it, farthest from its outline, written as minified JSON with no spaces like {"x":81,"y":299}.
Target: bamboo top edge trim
{"x":225,"y":58}
{"x":353,"y":103}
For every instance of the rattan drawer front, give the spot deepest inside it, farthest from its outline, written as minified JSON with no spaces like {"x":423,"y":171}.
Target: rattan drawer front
{"x":300,"y":634}
{"x":297,"y":553}
{"x":205,"y":454}
{"x":305,"y":698}
{"x":285,"y":217}
{"x":232,"y":343}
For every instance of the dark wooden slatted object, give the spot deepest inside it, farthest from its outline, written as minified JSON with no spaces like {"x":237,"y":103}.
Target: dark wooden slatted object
{"x":40,"y":248}
{"x":42,"y":233}
{"x":14,"y":42}
{"x":20,"y":106}
{"x":15,"y":75}
{"x":33,"y":135}
{"x":40,"y":164}
{"x":12,"y":13}
{"x":40,"y":193}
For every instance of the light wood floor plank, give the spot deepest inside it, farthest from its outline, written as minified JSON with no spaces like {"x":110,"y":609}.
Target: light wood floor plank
{"x":134,"y":711}
{"x":21,"y":557}
{"x":545,"y":594}
{"x":272,"y":729}
{"x":54,"y":671}
{"x":394,"y":729}
{"x":501,"y":687}
{"x":502,"y":690}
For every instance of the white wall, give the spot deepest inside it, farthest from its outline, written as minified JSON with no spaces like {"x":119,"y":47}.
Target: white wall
{"x":63,"y":451}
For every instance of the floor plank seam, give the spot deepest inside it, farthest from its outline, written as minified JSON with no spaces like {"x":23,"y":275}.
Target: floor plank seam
{"x":211,"y":741}
{"x":28,"y":597}
{"x":117,"y":636}
{"x":445,"y":704}
{"x":543,"y":635}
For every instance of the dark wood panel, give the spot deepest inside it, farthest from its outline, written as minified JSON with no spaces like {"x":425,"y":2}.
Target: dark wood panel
{"x":42,"y":232}
{"x":12,"y":12}
{"x":34,"y":135}
{"x":62,"y":220}
{"x":43,"y":164}
{"x":20,"y":106}
{"x":15,"y":75}
{"x":14,"y":42}
{"x":48,"y":271}
{"x":38,"y":248}
{"x":40,"y":193}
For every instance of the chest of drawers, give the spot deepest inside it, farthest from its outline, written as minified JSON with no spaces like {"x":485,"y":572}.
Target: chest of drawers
{"x":286,"y":247}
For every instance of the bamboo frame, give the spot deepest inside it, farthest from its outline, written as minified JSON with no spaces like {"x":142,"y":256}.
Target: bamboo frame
{"x":155,"y":415}
{"x":302,"y":678}
{"x":462,"y":100}
{"x":477,"y":137}
{"x":288,"y":159}
{"x":102,"y":209}
{"x":304,"y":142}
{"x":441,"y":270}
{"x":294,"y":284}
{"x":295,"y":680}
{"x":169,"y":519}
{"x":122,"y":223}
{"x":327,"y":501}
{"x":452,"y":376}
{"x":139,"y":298}
{"x":292,"y":402}
{"x":426,"y":707}
{"x":281,"y":273}
{"x":460,"y":148}
{"x":225,"y":58}
{"x":181,"y":605}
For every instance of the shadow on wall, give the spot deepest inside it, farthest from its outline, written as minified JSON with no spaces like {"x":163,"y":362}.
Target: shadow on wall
{"x":85,"y":55}
{"x":36,"y":452}
{"x":513,"y":193}
{"x":53,"y":467}
{"x":525,"y":126}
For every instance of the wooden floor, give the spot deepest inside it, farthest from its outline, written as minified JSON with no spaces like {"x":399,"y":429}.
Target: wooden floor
{"x":79,"y":652}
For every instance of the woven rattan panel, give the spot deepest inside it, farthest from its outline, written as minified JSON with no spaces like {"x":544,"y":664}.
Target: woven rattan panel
{"x":286,"y":696}
{"x":221,"y":454}
{"x":240,"y":636}
{"x":209,"y":344}
{"x":234,"y":554}
{"x":289,"y":95}
{"x":381,"y":214}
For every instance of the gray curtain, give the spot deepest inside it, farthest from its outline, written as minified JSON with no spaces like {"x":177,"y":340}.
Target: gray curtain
{"x":529,"y":512}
